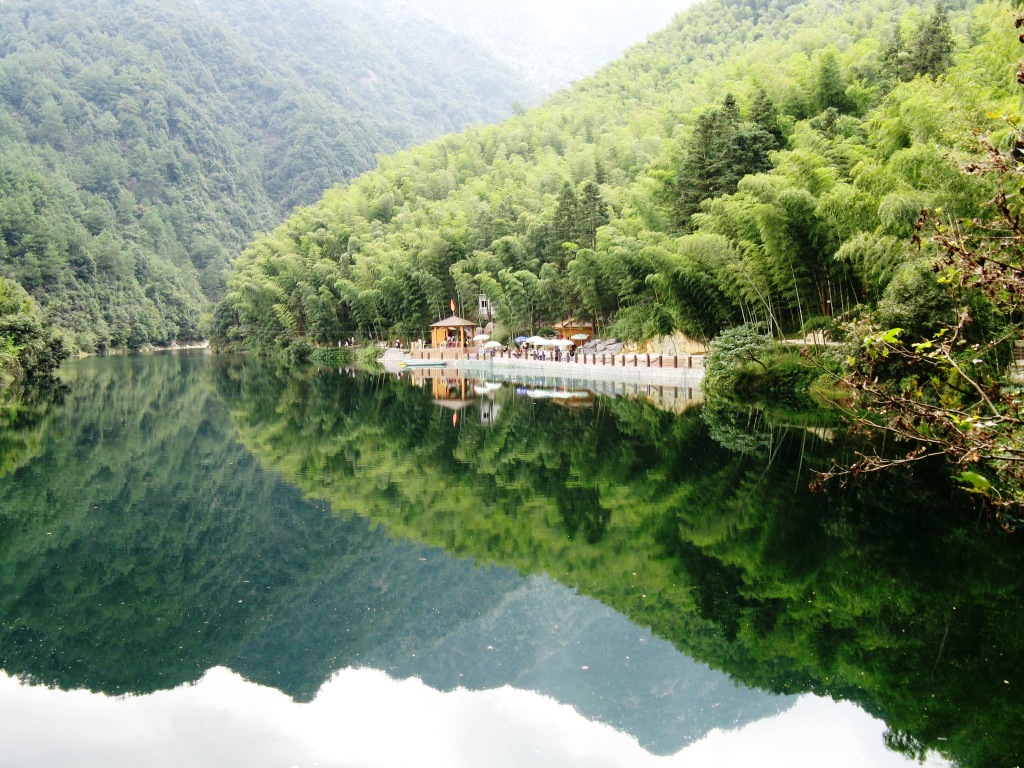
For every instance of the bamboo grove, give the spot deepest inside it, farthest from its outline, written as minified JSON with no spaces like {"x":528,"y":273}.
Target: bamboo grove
{"x":754,"y":162}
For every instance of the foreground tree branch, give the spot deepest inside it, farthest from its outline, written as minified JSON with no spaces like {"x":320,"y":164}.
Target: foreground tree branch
{"x":956,"y":394}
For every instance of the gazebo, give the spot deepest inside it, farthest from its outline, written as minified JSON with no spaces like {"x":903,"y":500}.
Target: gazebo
{"x":572,"y":327}
{"x":442,"y":329}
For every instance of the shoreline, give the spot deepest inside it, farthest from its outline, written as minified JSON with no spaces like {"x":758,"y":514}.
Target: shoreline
{"x":674,"y":390}
{"x":686,"y":377}
{"x":145,"y":349}
{"x":631,"y":369}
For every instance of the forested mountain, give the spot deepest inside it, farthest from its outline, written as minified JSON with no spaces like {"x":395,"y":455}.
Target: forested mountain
{"x":758,"y":160}
{"x":143,"y":143}
{"x":551,"y":43}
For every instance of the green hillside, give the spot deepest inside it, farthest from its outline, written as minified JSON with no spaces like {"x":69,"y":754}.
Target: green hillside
{"x":756,"y":160}
{"x":142,"y":144}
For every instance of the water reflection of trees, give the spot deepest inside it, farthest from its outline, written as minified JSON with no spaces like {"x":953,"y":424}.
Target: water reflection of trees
{"x":888,"y":593}
{"x":140,"y":544}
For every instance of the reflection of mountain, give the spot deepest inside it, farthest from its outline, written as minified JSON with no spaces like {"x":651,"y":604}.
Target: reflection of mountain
{"x":542,"y":637}
{"x":143,"y":546}
{"x":886,"y":593}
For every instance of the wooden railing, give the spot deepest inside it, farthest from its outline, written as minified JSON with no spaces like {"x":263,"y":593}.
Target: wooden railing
{"x":620,"y":360}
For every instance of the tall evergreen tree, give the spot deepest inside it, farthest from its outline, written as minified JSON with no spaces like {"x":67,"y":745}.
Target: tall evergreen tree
{"x":722,"y":150}
{"x":592,"y":213}
{"x":932,"y":48}
{"x":894,"y":58}
{"x":765,"y":115}
{"x":563,"y":226}
{"x":830,"y":83}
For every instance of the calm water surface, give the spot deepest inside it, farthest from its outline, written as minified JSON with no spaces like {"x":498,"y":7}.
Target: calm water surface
{"x":210,"y":562}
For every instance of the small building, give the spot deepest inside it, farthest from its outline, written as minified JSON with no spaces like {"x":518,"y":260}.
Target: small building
{"x":484,"y":308}
{"x":575,"y":329}
{"x":452,"y":331}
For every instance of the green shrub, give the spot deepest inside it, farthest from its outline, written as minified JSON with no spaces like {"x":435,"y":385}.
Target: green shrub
{"x":368,"y":357}
{"x":332,"y":356}
{"x":298,"y":351}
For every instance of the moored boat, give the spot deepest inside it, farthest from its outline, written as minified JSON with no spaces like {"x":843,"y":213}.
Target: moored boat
{"x":412,"y":362}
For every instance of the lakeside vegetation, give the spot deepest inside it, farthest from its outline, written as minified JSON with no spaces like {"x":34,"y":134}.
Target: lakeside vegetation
{"x":30,"y":350}
{"x":681,"y":189}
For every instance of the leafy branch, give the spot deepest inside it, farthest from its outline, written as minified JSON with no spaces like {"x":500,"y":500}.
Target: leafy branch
{"x":955,"y":394}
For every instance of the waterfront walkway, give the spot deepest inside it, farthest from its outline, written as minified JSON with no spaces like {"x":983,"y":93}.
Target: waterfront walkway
{"x":624,"y":366}
{"x":625,"y":369}
{"x":671,"y":385}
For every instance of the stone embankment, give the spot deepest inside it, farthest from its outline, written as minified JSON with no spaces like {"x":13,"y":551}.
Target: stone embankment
{"x":631,"y":367}
{"x":598,"y":360}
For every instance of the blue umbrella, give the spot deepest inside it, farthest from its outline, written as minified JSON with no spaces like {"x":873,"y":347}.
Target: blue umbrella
{"x":520,"y":339}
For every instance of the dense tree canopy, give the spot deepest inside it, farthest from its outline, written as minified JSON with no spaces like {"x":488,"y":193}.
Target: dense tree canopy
{"x":29,"y":350}
{"x":757,"y":161}
{"x":142,"y":144}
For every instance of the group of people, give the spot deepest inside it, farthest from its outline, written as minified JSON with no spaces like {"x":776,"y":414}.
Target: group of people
{"x":399,"y":344}
{"x":558,"y":354}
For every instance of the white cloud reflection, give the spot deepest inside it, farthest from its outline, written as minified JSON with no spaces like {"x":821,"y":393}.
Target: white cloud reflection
{"x":364,"y":719}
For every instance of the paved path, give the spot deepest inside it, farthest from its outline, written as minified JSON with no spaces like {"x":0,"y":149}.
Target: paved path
{"x":638,"y":374}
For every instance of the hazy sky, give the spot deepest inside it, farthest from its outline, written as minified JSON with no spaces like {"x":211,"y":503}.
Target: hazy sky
{"x":553,"y":42}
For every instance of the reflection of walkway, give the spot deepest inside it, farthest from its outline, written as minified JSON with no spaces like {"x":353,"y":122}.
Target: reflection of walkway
{"x":672,"y":389}
{"x":635,"y":371}
{"x":577,"y":393}
{"x":675,"y":397}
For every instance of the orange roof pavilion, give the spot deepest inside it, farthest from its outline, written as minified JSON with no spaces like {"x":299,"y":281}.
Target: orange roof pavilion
{"x":440,"y":331}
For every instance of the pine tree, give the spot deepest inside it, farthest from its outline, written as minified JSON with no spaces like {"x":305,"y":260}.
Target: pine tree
{"x":765,"y":115}
{"x":592,"y":213}
{"x":723,"y":149}
{"x":894,"y":57}
{"x":563,"y":227}
{"x":932,"y":49}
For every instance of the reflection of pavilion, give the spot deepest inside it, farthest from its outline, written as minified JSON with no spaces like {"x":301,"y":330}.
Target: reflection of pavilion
{"x":451,"y":392}
{"x":448,"y":388}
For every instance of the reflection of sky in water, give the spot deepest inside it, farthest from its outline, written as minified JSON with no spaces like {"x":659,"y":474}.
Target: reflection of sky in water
{"x":363,"y":718}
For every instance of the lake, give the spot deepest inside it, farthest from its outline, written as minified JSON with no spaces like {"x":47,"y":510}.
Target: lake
{"x":209,"y":561}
